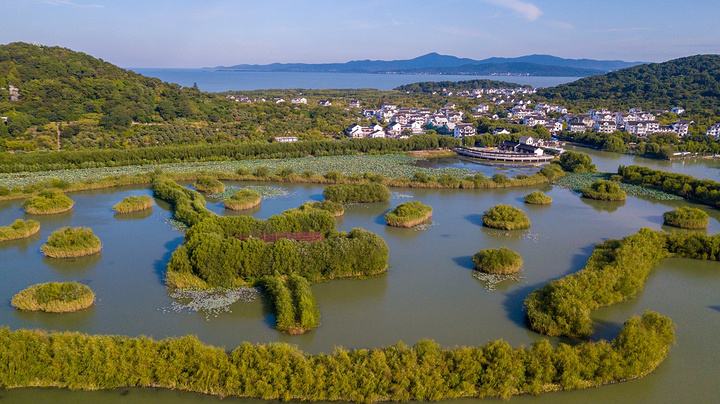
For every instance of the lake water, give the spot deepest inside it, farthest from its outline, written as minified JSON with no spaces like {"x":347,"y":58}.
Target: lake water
{"x":428,"y":291}
{"x":226,"y":80}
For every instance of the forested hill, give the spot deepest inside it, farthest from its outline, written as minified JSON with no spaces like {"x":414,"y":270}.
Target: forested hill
{"x":437,"y":86}
{"x":691,"y":82}
{"x":58,"y":84}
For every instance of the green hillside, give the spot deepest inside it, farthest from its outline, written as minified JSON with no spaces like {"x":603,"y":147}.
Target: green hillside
{"x":691,"y":82}
{"x":58,"y":84}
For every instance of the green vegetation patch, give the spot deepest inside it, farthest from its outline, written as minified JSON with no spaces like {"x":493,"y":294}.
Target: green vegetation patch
{"x":501,"y":261}
{"x":243,"y":199}
{"x":506,"y":217}
{"x":132,"y":204}
{"x":537,"y":198}
{"x":54,"y":297}
{"x":19,"y":229}
{"x":70,"y":242}
{"x":357,"y":193}
{"x":222,"y":251}
{"x":576,"y":162}
{"x":209,"y":185}
{"x":333,"y":208}
{"x":48,"y":202}
{"x":704,"y":191}
{"x":409,"y":214}
{"x":616,"y":271}
{"x":604,"y":190}
{"x":280,"y":371}
{"x":686,"y":218}
{"x":296,"y":311}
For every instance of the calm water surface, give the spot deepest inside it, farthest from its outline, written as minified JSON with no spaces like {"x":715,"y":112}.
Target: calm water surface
{"x":225,"y":80}
{"x":428,"y":292}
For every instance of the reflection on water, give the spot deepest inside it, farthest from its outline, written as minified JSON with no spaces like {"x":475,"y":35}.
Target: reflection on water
{"x":428,"y":292}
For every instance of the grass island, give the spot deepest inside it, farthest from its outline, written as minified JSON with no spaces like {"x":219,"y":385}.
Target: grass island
{"x":333,"y":208}
{"x":71,"y":242}
{"x":537,"y":198}
{"x":133,"y":204}
{"x":409,"y":214}
{"x":48,"y":202}
{"x":357,"y":193}
{"x":243,"y":199}
{"x":19,"y":229}
{"x":686,"y":218}
{"x":209,"y":185}
{"x":604,"y":190}
{"x":54,"y":297}
{"x":501,"y":261}
{"x":506,"y":217}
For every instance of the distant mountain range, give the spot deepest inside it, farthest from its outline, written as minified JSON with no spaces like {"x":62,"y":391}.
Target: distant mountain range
{"x":434,"y":63}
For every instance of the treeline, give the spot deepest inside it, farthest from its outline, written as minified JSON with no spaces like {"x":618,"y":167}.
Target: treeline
{"x":357,"y":193}
{"x":616,"y":271}
{"x":293,"y":302}
{"x":700,"y":190}
{"x":656,"y":146}
{"x":279,"y":371}
{"x":226,"y":251}
{"x":438,"y":86}
{"x":43,"y":161}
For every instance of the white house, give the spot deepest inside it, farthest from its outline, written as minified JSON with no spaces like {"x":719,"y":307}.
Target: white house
{"x":500,"y":131}
{"x":605,"y":126}
{"x":285,"y":139}
{"x":481,"y":109}
{"x":678,"y":110}
{"x":325,"y":103}
{"x":354,"y":104}
{"x":300,"y":100}
{"x":463,"y":130}
{"x":682,"y":126}
{"x":713,"y":131}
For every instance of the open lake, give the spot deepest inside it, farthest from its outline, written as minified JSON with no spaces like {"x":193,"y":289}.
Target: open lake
{"x":227,"y":80}
{"x":428,"y":291}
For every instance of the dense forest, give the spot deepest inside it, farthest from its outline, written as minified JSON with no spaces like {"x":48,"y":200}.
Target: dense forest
{"x":437,"y":86}
{"x":691,"y":82}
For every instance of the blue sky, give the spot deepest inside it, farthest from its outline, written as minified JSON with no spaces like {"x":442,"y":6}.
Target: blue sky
{"x":193,"y":33}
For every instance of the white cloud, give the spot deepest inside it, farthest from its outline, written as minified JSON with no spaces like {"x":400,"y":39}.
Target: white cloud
{"x":72,"y":3}
{"x":527,"y":10}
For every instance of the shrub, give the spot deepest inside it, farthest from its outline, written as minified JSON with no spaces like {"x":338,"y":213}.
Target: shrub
{"x":69,"y":242}
{"x":48,"y":202}
{"x":422,"y":372}
{"x":686,"y":218}
{"x":409,"y":214}
{"x":500,"y":261}
{"x":188,"y":206}
{"x":576,"y":162}
{"x":243,"y":199}
{"x":262,"y":172}
{"x":295,"y":309}
{"x":357,"y":193}
{"x":604,"y":190}
{"x":54,"y":297}
{"x":701,"y":190}
{"x":134,"y":204}
{"x":333,"y":208}
{"x":19,"y":229}
{"x":209,"y":185}
{"x":552,"y":171}
{"x":505,"y":217}
{"x":538,"y":198}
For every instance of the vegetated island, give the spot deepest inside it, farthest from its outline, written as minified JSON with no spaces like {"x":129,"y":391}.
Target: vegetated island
{"x":71,"y":242}
{"x":615,"y":272}
{"x":48,"y":202}
{"x":19,"y":229}
{"x":505,"y":217}
{"x":501,"y":261}
{"x":296,"y":311}
{"x":409,"y":214}
{"x":686,"y":218}
{"x":700,"y":190}
{"x":209,"y":185}
{"x":357,"y":193}
{"x":243,"y":199}
{"x":132,"y":204}
{"x":333,"y":208}
{"x":604,"y":190}
{"x":54,"y":297}
{"x":537,"y":198}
